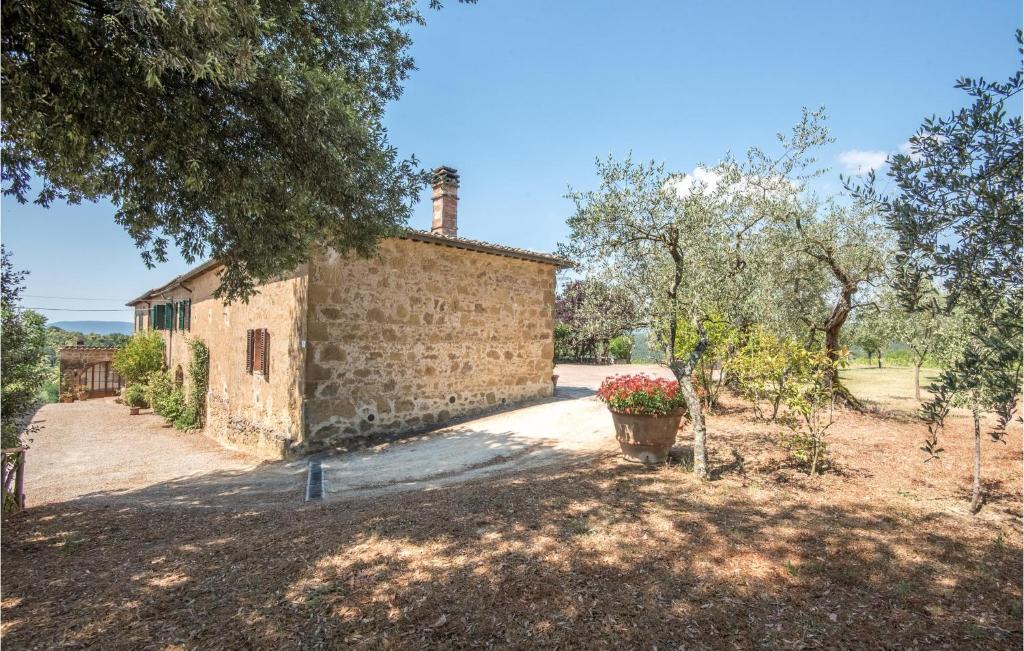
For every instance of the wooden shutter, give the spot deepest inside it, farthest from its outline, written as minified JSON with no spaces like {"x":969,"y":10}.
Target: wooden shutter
{"x":188,"y":314}
{"x":264,"y":352}
{"x":169,"y":316}
{"x":249,"y":340}
{"x":152,"y":318}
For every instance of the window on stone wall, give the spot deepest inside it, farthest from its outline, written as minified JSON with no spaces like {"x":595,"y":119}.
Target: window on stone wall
{"x":184,"y":314}
{"x":257,"y":352}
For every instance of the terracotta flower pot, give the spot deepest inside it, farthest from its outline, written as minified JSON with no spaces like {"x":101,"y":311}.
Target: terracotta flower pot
{"x":646,"y":439}
{"x":554,"y":381}
{"x":134,"y":411}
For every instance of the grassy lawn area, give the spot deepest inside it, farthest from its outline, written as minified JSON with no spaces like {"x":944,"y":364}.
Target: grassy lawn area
{"x":879,"y":552}
{"x":890,"y":387}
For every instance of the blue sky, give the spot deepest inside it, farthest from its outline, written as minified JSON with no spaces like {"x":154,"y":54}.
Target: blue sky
{"x":522,"y":96}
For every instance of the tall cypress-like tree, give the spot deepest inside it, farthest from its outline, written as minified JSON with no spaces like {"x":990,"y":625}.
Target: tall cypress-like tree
{"x":957,"y":215}
{"x":245,"y":131}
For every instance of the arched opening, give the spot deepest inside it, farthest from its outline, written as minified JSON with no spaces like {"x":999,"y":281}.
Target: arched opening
{"x":97,"y":381}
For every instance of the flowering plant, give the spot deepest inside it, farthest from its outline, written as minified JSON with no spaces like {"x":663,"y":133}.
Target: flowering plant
{"x":640,"y":395}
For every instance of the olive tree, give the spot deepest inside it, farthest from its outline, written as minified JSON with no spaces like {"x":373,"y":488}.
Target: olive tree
{"x":957,"y":215}
{"x":683,"y":240}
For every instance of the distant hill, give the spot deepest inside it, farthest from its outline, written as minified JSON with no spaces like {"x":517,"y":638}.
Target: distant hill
{"x":95,"y":327}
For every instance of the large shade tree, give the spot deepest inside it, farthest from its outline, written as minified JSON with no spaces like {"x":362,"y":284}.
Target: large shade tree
{"x":237,"y":129}
{"x":957,"y":214}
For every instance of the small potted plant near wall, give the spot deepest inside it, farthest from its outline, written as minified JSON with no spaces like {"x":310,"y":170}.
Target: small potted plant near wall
{"x":647,"y":412}
{"x":135,"y":397}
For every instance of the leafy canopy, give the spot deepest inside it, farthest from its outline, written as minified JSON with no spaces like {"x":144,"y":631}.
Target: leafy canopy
{"x":957,"y":215}
{"x":141,"y":356}
{"x":22,"y":354}
{"x":245,"y":131}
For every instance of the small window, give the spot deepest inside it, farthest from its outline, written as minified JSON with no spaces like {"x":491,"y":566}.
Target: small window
{"x":257,"y":352}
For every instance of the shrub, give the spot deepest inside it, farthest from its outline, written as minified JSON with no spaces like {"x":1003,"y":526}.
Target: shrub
{"x":621,"y":348}
{"x":166,"y":399}
{"x":811,"y":401}
{"x":762,"y":367}
{"x":641,"y":395}
{"x":193,"y":408}
{"x":140,"y":357}
{"x":134,"y":395}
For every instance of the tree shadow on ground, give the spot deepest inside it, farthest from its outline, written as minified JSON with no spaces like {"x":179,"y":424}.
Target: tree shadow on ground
{"x":604,"y":556}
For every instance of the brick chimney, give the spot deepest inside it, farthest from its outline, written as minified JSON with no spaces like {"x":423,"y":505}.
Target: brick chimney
{"x":446,"y":202}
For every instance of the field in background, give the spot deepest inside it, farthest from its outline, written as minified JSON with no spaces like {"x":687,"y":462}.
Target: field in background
{"x":889,"y":388}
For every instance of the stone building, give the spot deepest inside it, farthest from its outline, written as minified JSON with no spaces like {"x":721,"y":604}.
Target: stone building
{"x":432,"y":328}
{"x":88,"y":371}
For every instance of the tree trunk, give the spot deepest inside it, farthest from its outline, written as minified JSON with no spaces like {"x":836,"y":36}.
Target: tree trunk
{"x":917,"y":381}
{"x":834,"y":324}
{"x":879,"y":359}
{"x":693,"y":403}
{"x":871,"y":354}
{"x":683,"y":372}
{"x":976,"y":493}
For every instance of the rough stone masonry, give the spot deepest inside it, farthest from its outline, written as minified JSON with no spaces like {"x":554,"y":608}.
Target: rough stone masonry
{"x":431,"y":328}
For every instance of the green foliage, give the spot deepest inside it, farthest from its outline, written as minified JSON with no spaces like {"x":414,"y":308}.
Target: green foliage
{"x":248,"y":131}
{"x":192,"y":414}
{"x":592,"y":312}
{"x":140,"y":357}
{"x":134,"y":395}
{"x":957,"y":215}
{"x":563,"y":342}
{"x":810,"y":398}
{"x":22,"y":355}
{"x":763,"y":367}
{"x":163,"y":396}
{"x":691,"y":246}
{"x":711,"y":369}
{"x":621,"y":348}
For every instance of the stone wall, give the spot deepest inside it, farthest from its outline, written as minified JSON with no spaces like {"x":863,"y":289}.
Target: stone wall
{"x":77,"y":363}
{"x":421,"y":334}
{"x":257,"y":414}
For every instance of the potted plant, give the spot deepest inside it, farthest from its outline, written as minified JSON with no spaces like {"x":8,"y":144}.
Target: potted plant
{"x":82,"y":392}
{"x":134,"y":396}
{"x":647,"y":412}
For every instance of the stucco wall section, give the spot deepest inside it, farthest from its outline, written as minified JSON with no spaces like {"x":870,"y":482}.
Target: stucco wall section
{"x":259,"y":415}
{"x":421,"y":334}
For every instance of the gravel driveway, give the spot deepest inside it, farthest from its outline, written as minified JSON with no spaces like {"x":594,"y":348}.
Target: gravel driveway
{"x":572,"y":427}
{"x":93,"y":450}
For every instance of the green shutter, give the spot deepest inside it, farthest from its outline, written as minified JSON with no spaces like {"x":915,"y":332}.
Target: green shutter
{"x":169,"y":316}
{"x":152,"y":318}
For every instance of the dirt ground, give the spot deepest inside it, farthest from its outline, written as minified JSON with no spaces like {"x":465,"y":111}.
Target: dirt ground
{"x":880,"y":552}
{"x":95,"y":451}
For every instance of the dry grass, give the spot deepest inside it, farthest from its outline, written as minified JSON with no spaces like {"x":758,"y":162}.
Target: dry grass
{"x":878,"y":553}
{"x":890,"y":387}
